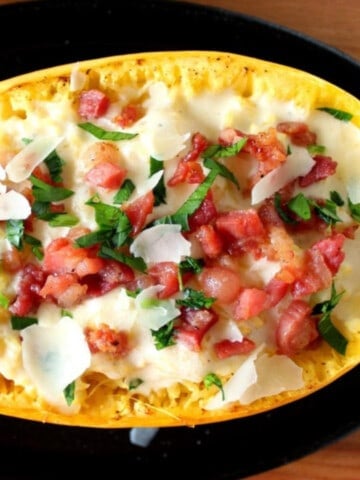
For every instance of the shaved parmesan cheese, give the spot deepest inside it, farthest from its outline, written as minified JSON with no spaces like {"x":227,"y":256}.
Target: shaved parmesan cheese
{"x":146,"y":186}
{"x":2,"y":173}
{"x":14,"y":206}
{"x":155,"y":313}
{"x":55,"y":356}
{"x":22,"y":164}
{"x":259,"y":376}
{"x":161,"y":243}
{"x":297,"y":164}
{"x":77,"y":79}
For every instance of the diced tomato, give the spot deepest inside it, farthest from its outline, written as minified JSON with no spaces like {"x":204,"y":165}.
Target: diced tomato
{"x":167,"y":275}
{"x":104,"y":339}
{"x":220,"y":282}
{"x":299,"y":133}
{"x":323,"y":168}
{"x":106,"y":175}
{"x":194,"y":324}
{"x":250,"y":302}
{"x":128,"y":116}
{"x":92,"y":104}
{"x":204,"y":214}
{"x":331,"y":250}
{"x":61,"y":256}
{"x":138,"y":210}
{"x":240,"y":224}
{"x":32,"y":279}
{"x":187,"y":172}
{"x":111,"y":275}
{"x":228,"y":348}
{"x":268,"y":214}
{"x":199,"y":144}
{"x":210,"y":240}
{"x":296,"y":329}
{"x":276,"y":290}
{"x":64,"y":289}
{"x":314,"y":277}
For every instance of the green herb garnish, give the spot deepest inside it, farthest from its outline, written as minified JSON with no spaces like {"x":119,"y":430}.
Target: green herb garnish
{"x":326,"y":328}
{"x":195,"y":299}
{"x":336,"y":113}
{"x":212,"y":379}
{"x":69,"y":393}
{"x":102,"y":134}
{"x":19,"y":323}
{"x":164,"y":336}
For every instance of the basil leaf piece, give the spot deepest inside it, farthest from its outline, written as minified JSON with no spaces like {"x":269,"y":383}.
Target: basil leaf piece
{"x":195,"y":299}
{"x":66,"y":313}
{"x":336,"y":198}
{"x":36,"y":246}
{"x":19,"y":323}
{"x":14,"y":233}
{"x":280,"y":211}
{"x":159,"y":190}
{"x":55,"y":166}
{"x":69,"y":393}
{"x":190,"y":264}
{"x":336,"y":113}
{"x":300,"y":206}
{"x":134,"y":383}
{"x":326,"y":328}
{"x":354,"y":209}
{"x":92,"y":238}
{"x":219,"y":151}
{"x":164,"y":336}
{"x":181,"y":216}
{"x":102,"y":134}
{"x":124,"y":193}
{"x":63,"y":220}
{"x":43,"y":192}
{"x":223,"y":171}
{"x":327,"y":212}
{"x":314,"y":149}
{"x":137,"y":263}
{"x":212,"y":379}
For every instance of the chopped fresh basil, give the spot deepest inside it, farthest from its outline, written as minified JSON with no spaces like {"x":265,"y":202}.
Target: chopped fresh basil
{"x":66,"y":313}
{"x":134,"y":383}
{"x":327,"y":212}
{"x":336,"y":198}
{"x":114,"y":225}
{"x":124,"y":193}
{"x":42,"y":210}
{"x":55,"y":166}
{"x":223,"y":171}
{"x":212,"y":379}
{"x":300,"y":206}
{"x":181,"y":216}
{"x":336,"y":113}
{"x":43,"y":192}
{"x":102,"y":134}
{"x":326,"y":328}
{"x":280,"y":211}
{"x":36,"y":246}
{"x":314,"y":149}
{"x":159,"y":190}
{"x":137,"y":263}
{"x":164,"y":336}
{"x":354,"y":209}
{"x":4,"y":301}
{"x":195,"y":299}
{"x":69,"y":393}
{"x":19,"y":323}
{"x":15,"y":232}
{"x":219,"y":151}
{"x":190,"y":264}
{"x":133,"y":293}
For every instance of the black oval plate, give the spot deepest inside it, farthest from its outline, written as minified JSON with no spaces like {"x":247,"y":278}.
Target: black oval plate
{"x":56,"y":32}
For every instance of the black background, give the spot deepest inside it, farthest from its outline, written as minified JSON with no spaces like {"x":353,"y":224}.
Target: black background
{"x":46,"y":33}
